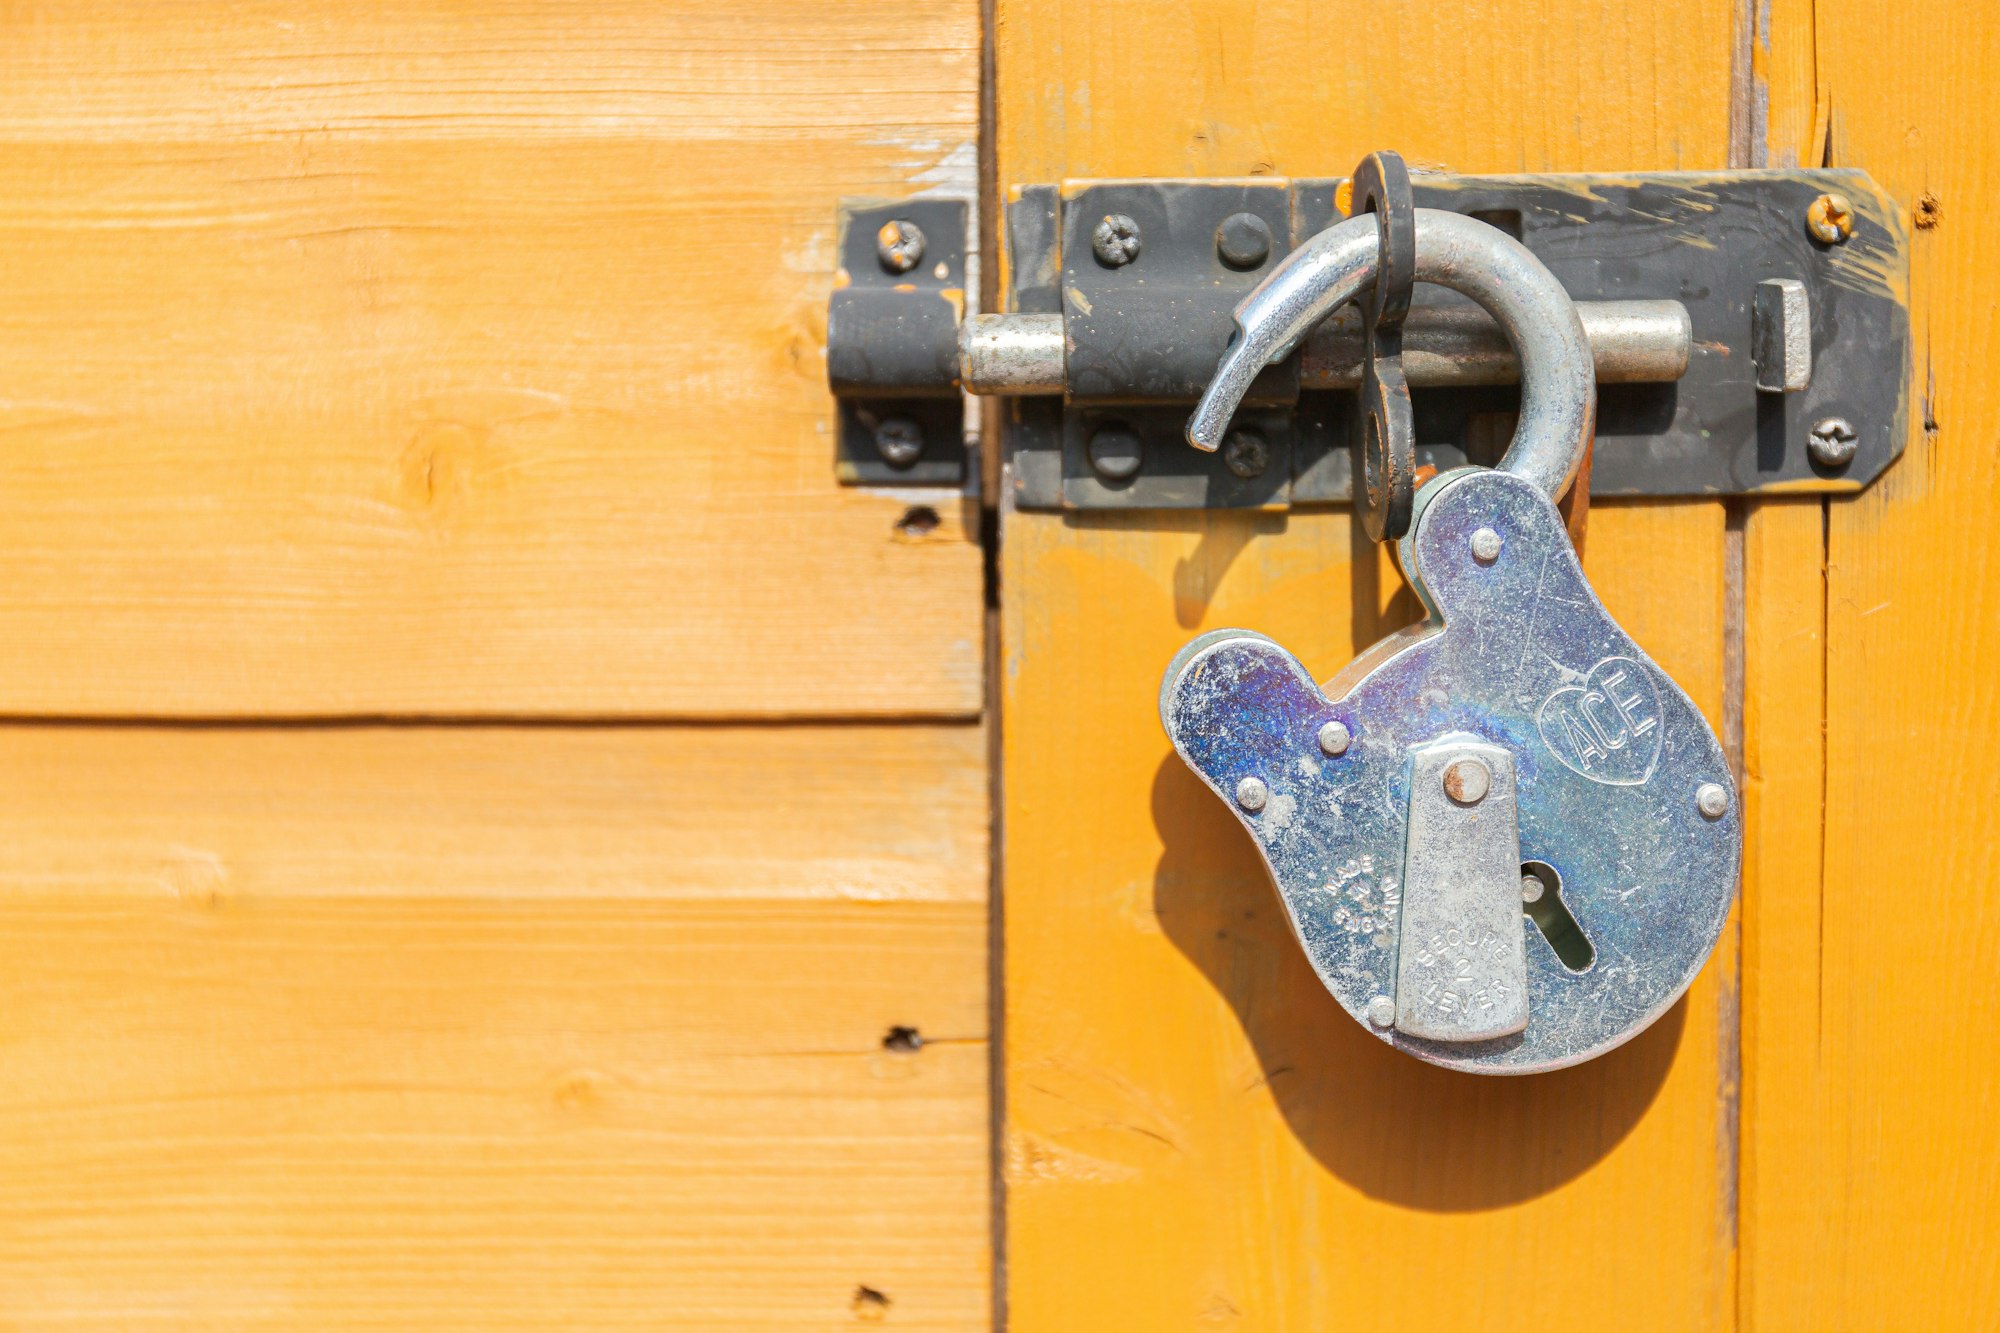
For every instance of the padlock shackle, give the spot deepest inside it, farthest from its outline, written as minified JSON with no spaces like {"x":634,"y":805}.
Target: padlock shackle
{"x":1558,"y":377}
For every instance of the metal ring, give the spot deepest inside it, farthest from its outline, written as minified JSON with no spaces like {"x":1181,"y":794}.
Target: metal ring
{"x":1381,"y":187}
{"x":1385,"y":440}
{"x":1558,"y":382}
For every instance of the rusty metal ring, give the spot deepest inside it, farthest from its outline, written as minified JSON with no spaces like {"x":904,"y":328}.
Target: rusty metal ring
{"x":1381,"y":186}
{"x":1385,"y":446}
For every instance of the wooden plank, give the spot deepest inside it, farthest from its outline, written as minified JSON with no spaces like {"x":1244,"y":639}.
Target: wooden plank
{"x":1787,"y":1101}
{"x":467,"y":1027}
{"x":1191,"y":1119}
{"x":1788,"y":112}
{"x":1295,"y":87}
{"x":856,"y":814}
{"x":1878,"y":1220}
{"x":1196,"y":1134}
{"x":368,"y":360}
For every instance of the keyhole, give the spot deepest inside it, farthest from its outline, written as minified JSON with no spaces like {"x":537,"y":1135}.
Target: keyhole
{"x":1541,"y":898}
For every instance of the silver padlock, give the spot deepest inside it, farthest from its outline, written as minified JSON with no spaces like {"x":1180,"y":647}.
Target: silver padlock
{"x":1505,"y":838}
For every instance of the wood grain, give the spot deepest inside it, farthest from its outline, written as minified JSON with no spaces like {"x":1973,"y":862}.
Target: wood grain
{"x":1787,"y":1101}
{"x":1305,"y":87}
{"x":1191,"y":1118}
{"x":1192,"y":1121}
{"x":839,"y":814}
{"x":420,"y":1027}
{"x":390,"y":360}
{"x":1877,"y":1215}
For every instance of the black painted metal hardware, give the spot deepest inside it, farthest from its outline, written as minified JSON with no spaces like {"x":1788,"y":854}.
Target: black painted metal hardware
{"x":1694,"y":288}
{"x":892,"y":328}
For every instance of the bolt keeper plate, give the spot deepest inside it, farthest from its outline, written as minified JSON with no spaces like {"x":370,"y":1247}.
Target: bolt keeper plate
{"x":892,"y":345}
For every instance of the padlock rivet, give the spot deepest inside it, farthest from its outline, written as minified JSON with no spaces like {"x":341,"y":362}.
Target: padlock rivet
{"x":1486,"y":546}
{"x":1712,"y":799}
{"x":1531,"y":888}
{"x":1466,"y":781}
{"x":1382,"y":1011}
{"x":1334,"y":738}
{"x":1251,"y":793}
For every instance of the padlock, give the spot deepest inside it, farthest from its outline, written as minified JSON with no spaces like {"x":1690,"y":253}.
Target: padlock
{"x":1505,"y":838}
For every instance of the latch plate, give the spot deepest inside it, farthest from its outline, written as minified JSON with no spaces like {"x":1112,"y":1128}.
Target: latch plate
{"x":1823,"y":325}
{"x":1705,"y":239}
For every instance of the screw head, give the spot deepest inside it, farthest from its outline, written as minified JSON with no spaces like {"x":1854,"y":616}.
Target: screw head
{"x":1334,"y":738}
{"x":900,"y":441}
{"x":1467,"y":781}
{"x":899,"y":245}
{"x":1532,"y":888}
{"x":1832,"y":442}
{"x":1485,"y":546}
{"x":1243,"y":241}
{"x":1382,"y":1011}
{"x":1116,"y":241}
{"x":1830,"y":219}
{"x":1251,"y":794}
{"x":1115,"y":452}
{"x":1245,"y":454}
{"x":1712,"y":799}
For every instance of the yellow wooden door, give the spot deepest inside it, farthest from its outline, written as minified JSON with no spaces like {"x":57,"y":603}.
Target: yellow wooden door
{"x":475,"y":794}
{"x":495,"y":836}
{"x":1870,"y":1181}
{"x":1195,"y":1135}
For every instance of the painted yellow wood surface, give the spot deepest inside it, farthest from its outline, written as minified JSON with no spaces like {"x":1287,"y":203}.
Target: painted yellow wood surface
{"x":1787,"y":1107}
{"x":1196,"y":1135}
{"x":466,"y":359}
{"x":1875,"y":1187}
{"x":1782,"y":1213}
{"x":1192,"y":1120}
{"x":492,"y":1027}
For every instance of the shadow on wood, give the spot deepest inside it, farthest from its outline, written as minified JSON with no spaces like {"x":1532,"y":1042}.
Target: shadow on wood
{"x":1225,"y":534}
{"x":1389,"y":1125}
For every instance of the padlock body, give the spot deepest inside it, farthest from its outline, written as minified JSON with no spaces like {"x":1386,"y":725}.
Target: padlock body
{"x":1621,"y":796}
